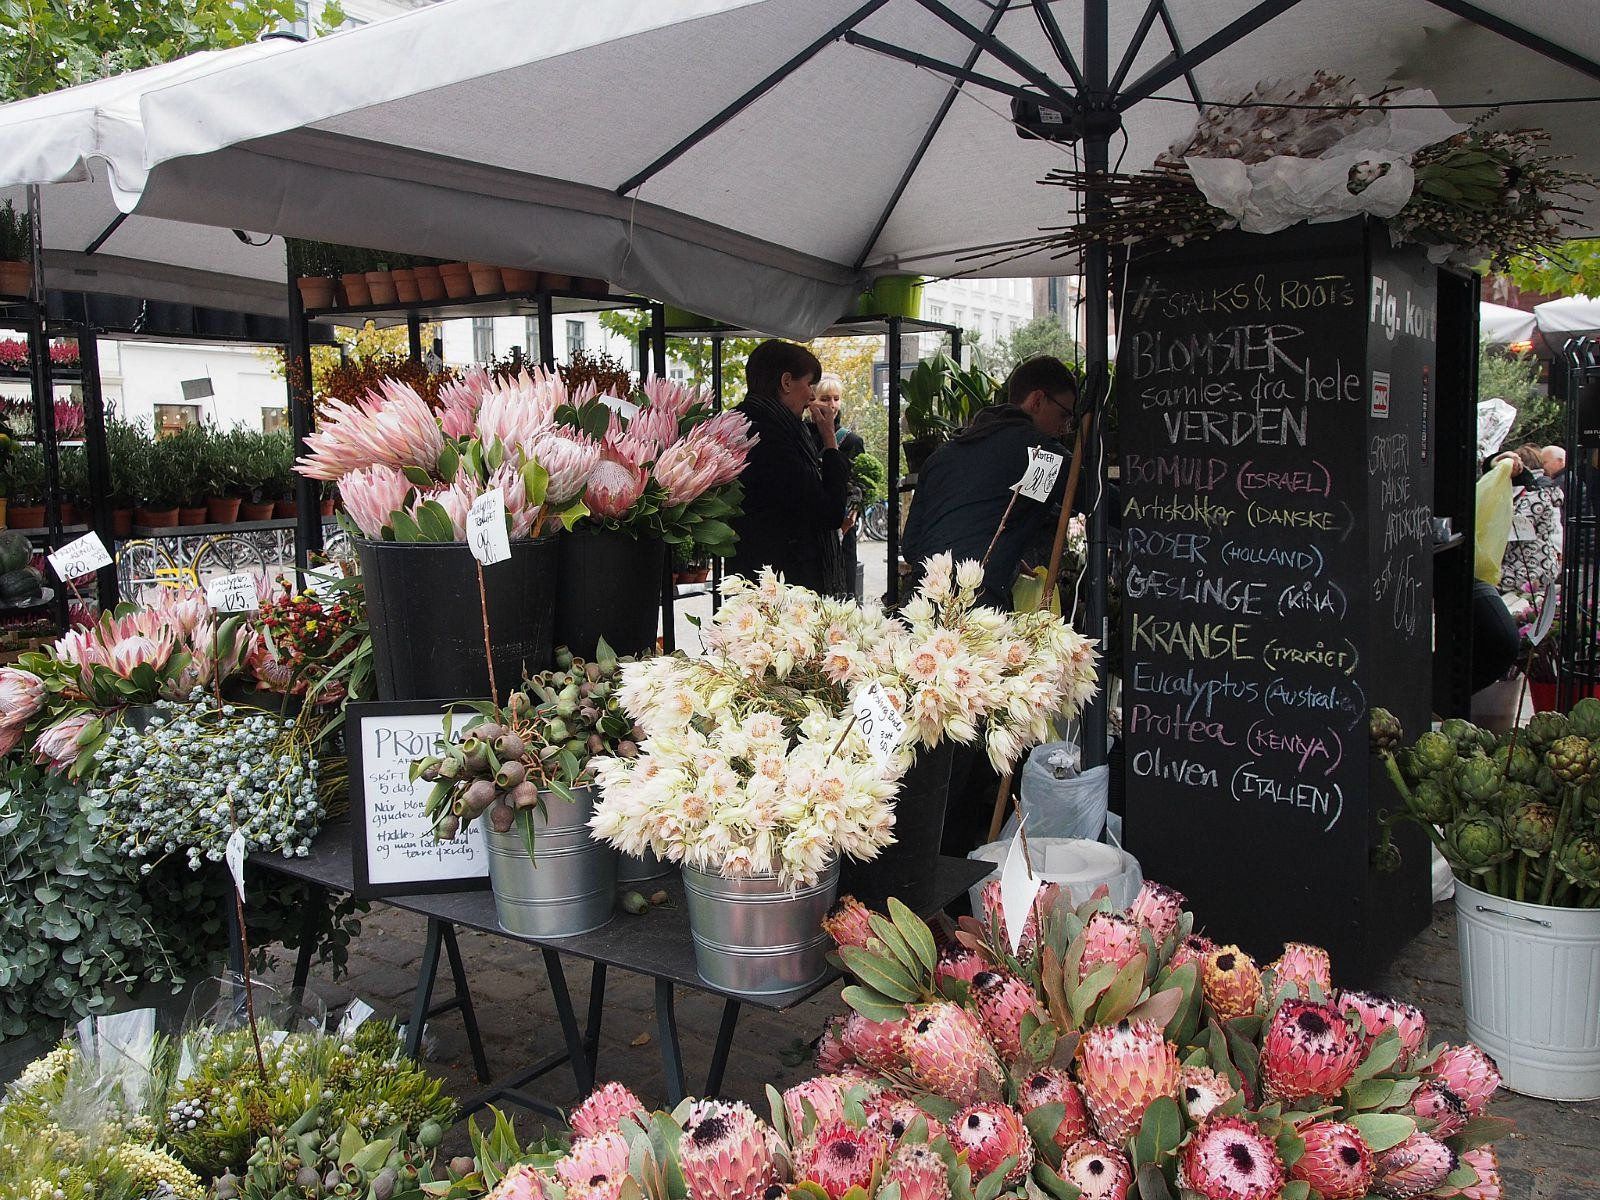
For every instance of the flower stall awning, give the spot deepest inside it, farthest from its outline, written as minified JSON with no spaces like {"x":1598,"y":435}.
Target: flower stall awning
{"x":755,"y":160}
{"x":1502,"y":326}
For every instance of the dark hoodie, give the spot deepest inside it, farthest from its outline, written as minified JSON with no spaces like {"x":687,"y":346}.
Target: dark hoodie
{"x":962,"y":493}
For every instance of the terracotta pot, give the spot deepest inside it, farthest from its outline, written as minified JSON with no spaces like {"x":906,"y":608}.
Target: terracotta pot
{"x":327,"y":506}
{"x":222,"y":510}
{"x":316,"y":291}
{"x":249,"y":510}
{"x":457,"y":280}
{"x":155,"y":518}
{"x":405,"y":285}
{"x":588,"y":285}
{"x":25,"y":516}
{"x":555,"y":283}
{"x":518,"y":280}
{"x":381,"y":285}
{"x":16,"y":278}
{"x":285,"y":508}
{"x":356,"y":292}
{"x":429,"y":285}
{"x":121,"y":522}
{"x":195,"y":515}
{"x":69,"y":512}
{"x":3,"y":500}
{"x":486,"y":279}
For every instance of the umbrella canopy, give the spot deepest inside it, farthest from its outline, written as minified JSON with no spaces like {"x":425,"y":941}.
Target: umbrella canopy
{"x":754,"y":160}
{"x":1569,"y":316}
{"x":1502,"y":326}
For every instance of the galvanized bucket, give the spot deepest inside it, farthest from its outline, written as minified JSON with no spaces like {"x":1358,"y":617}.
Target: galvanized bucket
{"x":756,"y":935}
{"x":569,"y":887}
{"x":641,"y":870}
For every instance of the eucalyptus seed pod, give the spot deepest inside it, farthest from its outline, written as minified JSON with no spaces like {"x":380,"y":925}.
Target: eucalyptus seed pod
{"x":510,"y":774}
{"x":510,"y":745}
{"x":479,"y":795}
{"x":501,"y":817}
{"x":524,"y":795}
{"x":383,"y":1184}
{"x":489,"y":731}
{"x":431,"y":770}
{"x":450,"y":766}
{"x":462,"y":1164}
{"x":448,"y":828}
{"x":308,"y":1181}
{"x":591,"y":672}
{"x":519,"y":703}
{"x":596,"y":744}
{"x":627,"y":749}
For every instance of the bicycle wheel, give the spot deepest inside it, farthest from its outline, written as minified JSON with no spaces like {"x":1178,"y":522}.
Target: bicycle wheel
{"x":143,"y":568}
{"x":228,"y":554}
{"x":875,"y":521}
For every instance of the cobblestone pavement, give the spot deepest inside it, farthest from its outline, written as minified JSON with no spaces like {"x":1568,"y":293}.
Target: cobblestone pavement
{"x":1555,"y":1154}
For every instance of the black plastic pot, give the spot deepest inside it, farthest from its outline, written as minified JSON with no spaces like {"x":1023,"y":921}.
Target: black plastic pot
{"x":905,"y":870}
{"x":426,"y":618}
{"x":609,"y":587}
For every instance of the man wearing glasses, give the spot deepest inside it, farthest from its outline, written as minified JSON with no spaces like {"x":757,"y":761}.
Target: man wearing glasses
{"x":963,"y":490}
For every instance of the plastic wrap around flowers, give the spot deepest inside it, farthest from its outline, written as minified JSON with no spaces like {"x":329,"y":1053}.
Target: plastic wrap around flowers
{"x":751,"y":762}
{"x":409,"y":472}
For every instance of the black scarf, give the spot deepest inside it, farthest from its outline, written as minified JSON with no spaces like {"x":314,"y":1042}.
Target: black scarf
{"x":772,"y":413}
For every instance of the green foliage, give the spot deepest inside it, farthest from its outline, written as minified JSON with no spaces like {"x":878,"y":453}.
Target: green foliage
{"x":941,"y":396}
{"x":1043,"y":335}
{"x":16,"y":232}
{"x":696,"y":354}
{"x":1514,"y":378}
{"x":1573,"y":270}
{"x":870,"y":475}
{"x":24,"y":475}
{"x":50,"y":44}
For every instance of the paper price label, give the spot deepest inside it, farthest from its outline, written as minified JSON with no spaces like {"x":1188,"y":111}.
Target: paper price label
{"x":80,"y":557}
{"x":486,"y":529}
{"x":1547,"y":616}
{"x":232,"y":594}
{"x":1018,"y":888}
{"x":354,"y":1016}
{"x":1040,"y":477}
{"x":879,"y":722}
{"x":320,"y":580}
{"x":234,"y":854}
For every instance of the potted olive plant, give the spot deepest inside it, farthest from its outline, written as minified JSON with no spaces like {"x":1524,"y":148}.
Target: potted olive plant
{"x":16,"y":251}
{"x":128,"y":452}
{"x":25,"y":488}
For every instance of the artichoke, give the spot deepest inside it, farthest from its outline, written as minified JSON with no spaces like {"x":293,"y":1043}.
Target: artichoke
{"x":1432,"y":801}
{"x":1571,"y":760}
{"x":1477,"y":779}
{"x":1589,"y":794}
{"x":1584,"y":719}
{"x":1580,"y":861}
{"x":1532,"y":827}
{"x":1410,"y":770}
{"x":1466,"y":737}
{"x":1546,"y":784}
{"x":1519,"y":765}
{"x":1385,"y":730}
{"x":1544,"y":729}
{"x":1433,"y":753}
{"x":1476,"y":844}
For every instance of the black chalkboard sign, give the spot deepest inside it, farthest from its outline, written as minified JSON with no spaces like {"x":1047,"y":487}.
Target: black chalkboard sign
{"x":1273,"y":394}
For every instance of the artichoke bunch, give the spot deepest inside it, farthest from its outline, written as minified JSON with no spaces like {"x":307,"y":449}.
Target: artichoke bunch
{"x":541,"y":743}
{"x":1516,"y":815}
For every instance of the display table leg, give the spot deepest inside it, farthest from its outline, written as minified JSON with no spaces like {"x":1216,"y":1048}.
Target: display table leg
{"x":422,"y":997}
{"x":582,"y":1068}
{"x":597,"y":1002}
{"x":667,"y":1031}
{"x":469,"y":1018}
{"x":719,"y":1052}
{"x":315,"y":909}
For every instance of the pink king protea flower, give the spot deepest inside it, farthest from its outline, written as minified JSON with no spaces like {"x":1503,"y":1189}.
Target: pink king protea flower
{"x":958,"y":962}
{"x":1303,"y":965}
{"x":920,"y":1173}
{"x":1435,"y":1102}
{"x":1123,"y":1069}
{"x":1415,"y":1167}
{"x":1112,"y":938}
{"x":891,"y":1115}
{"x":459,"y":400}
{"x":948,"y":1054}
{"x":1309,"y":1050}
{"x":1157,"y":908}
{"x":990,"y":1132}
{"x":848,"y":923}
{"x":1098,"y":1170}
{"x":21,"y":696}
{"x":606,"y":1108}
{"x":516,"y":412}
{"x":691,"y":468}
{"x":567,"y":458}
{"x":727,"y":1152}
{"x":390,"y":426}
{"x":137,"y":650}
{"x":1052,"y":1085}
{"x":372,"y":495}
{"x":1336,"y":1162}
{"x":614,"y":488}
{"x":832,"y":1057}
{"x":1230,"y":1159}
{"x":876,"y":1045}
{"x":1003,"y":1000}
{"x":1231,"y":983}
{"x":594,"y":1162}
{"x":839,"y":1158}
{"x":824,"y":1095}
{"x":1488,"y":1187}
{"x":1470,"y":1073}
{"x":58,"y":746}
{"x":1204,"y":1091}
{"x":1378,"y":1013}
{"x":521,"y":1182}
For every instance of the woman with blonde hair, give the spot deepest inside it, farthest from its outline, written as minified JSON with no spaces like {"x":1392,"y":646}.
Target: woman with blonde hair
{"x":830,"y":399}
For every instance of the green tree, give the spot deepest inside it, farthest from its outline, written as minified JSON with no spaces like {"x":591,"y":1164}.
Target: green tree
{"x":1044,"y":334}
{"x":852,"y":360}
{"x":693,"y":353}
{"x":1573,"y":271}
{"x":1515,"y":378}
{"x":50,"y":44}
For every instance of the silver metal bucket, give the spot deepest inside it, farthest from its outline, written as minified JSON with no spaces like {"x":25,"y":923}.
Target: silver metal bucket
{"x":570,"y":887}
{"x":755,"y":935}
{"x":641,"y":870}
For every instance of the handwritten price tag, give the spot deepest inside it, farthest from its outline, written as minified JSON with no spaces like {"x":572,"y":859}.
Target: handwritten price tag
{"x":80,"y":557}
{"x":1018,"y":888}
{"x":354,"y":1016}
{"x":486,"y":529}
{"x":1040,"y":477}
{"x":232,"y":594}
{"x":879,"y":722}
{"x":1546,"y":617}
{"x":319,"y":581}
{"x":234,"y":854}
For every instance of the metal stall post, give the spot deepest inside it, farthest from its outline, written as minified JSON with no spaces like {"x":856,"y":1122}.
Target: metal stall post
{"x":653,"y":341}
{"x":297,"y":378}
{"x":1580,"y":567}
{"x":892,"y":546}
{"x":716,"y":404}
{"x":547,"y":331}
{"x":44,"y":400}
{"x":414,"y":335}
{"x":97,"y":458}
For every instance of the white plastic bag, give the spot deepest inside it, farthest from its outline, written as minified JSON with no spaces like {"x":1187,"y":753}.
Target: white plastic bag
{"x":1073,"y":806}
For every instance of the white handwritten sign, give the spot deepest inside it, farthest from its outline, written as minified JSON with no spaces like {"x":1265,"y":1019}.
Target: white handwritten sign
{"x":355,"y":1017}
{"x":400,"y":848}
{"x":234,"y":853}
{"x":1018,"y":888}
{"x":486,"y":528}
{"x":80,"y":557}
{"x":879,"y":722}
{"x":232,"y":594}
{"x":1040,"y":477}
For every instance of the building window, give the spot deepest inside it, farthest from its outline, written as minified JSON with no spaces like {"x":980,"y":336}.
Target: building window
{"x":530,"y":339}
{"x":935,"y":312}
{"x":678,"y":374}
{"x":958,"y":315}
{"x":172,"y":417}
{"x":994,"y":328}
{"x":483,"y":339}
{"x":574,"y":338}
{"x":274,"y":420}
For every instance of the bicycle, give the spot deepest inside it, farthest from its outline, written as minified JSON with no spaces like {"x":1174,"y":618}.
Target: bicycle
{"x":875,"y":521}
{"x":144,"y":563}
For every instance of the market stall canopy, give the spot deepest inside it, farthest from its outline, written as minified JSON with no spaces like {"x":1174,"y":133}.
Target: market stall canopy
{"x":753,"y":160}
{"x":1570,"y":316}
{"x":1502,"y":326}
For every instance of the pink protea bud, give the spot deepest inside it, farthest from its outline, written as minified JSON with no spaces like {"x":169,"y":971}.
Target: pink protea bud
{"x":948,"y":1054}
{"x":1413,"y":1168}
{"x":1110,"y":938}
{"x":458,"y":402}
{"x":839,"y":1158}
{"x":876,"y":1045}
{"x":1484,"y":1161}
{"x":1378,"y":1013}
{"x":1123,"y":1069}
{"x":614,"y":488}
{"x":1433,"y":1101}
{"x":832,"y":1055}
{"x":1470,"y":1073}
{"x":727,"y":1152}
{"x":372,"y":495}
{"x":1193,"y":949}
{"x":1336,"y":1163}
{"x":824,"y":1095}
{"x":593,"y":1161}
{"x":958,"y":962}
{"x":848,"y":923}
{"x":920,"y":1173}
{"x":892,"y":1115}
{"x":1204,"y":1091}
{"x":990,"y":1132}
{"x":57,"y":747}
{"x":1157,"y":908}
{"x":389,"y":426}
{"x":1303,"y":965}
{"x":21,"y":695}
{"x":1309,"y":1049}
{"x":1003,"y":1001}
{"x":605,"y":1109}
{"x":1052,"y":1085}
{"x":521,"y":1182}
{"x":567,"y":458}
{"x":137,"y":650}
{"x":1098,"y":1170}
{"x":1227,"y":1158}
{"x":1231,"y":983}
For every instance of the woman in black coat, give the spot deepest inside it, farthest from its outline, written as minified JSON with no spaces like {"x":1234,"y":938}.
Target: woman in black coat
{"x":796,"y":490}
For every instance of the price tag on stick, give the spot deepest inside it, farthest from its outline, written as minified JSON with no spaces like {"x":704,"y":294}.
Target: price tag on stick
{"x":80,"y":557}
{"x":234,"y":854}
{"x":1040,"y":478}
{"x":232,"y":594}
{"x":1546,"y":618}
{"x":486,"y":528}
{"x":1018,"y":887}
{"x":879,"y":722}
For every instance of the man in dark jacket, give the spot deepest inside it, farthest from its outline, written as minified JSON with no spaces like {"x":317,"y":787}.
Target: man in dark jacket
{"x":795,"y":488}
{"x":963,"y":490}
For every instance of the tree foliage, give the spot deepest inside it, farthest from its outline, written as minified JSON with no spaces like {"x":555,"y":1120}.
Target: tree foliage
{"x":1515,"y":378}
{"x":852,"y":360}
{"x":1043,"y":335}
{"x":1573,"y":271}
{"x":50,"y":44}
{"x":694,"y":354}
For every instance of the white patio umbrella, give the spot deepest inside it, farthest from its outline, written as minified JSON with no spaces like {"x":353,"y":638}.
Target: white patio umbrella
{"x":1499,"y":325}
{"x":1567,"y":317}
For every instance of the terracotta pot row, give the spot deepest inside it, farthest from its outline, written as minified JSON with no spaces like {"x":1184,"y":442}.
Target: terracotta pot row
{"x":447,"y":281}
{"x":16,"y":278}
